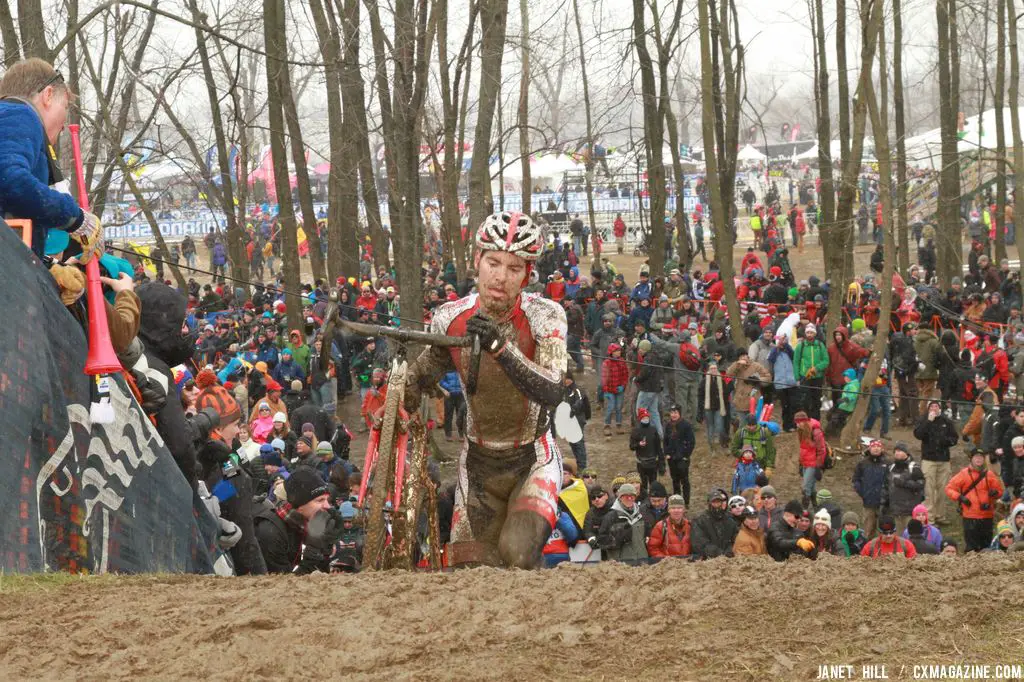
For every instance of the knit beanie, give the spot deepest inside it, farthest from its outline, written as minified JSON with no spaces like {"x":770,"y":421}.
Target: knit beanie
{"x":851,"y":517}
{"x":304,"y":485}
{"x":212,"y":394}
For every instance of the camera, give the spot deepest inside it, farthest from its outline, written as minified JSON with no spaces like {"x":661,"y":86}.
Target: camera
{"x":202,"y":423}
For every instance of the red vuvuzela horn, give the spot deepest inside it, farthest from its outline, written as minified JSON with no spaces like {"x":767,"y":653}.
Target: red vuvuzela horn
{"x":102,"y":358}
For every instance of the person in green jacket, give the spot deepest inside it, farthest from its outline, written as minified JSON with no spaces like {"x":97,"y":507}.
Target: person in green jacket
{"x":760,"y":439}
{"x":300,"y":350}
{"x":927,"y":346}
{"x":842,"y":411}
{"x":810,"y":360}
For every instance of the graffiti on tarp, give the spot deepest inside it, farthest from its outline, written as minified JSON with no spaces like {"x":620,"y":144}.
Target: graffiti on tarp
{"x":172,"y":230}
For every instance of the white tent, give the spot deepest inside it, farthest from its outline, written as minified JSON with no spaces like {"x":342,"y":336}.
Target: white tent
{"x":749,"y":153}
{"x":925,"y":150}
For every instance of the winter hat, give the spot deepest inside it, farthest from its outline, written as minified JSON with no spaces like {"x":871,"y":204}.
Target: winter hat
{"x":596,"y":492}
{"x":348,"y":511}
{"x":214,"y":395}
{"x":900,"y":445}
{"x":307,"y":427}
{"x":768,"y":491}
{"x":851,"y":517}
{"x":657,"y":489}
{"x":644,"y":346}
{"x":569,"y":464}
{"x":737,"y":501}
{"x":278,"y":445}
{"x":261,"y":366}
{"x":304,"y":486}
{"x":748,"y":454}
{"x":717,"y":494}
{"x":794,"y":507}
{"x":296,"y":385}
{"x":823,"y":517}
{"x":643,"y":413}
{"x":280,"y":418}
{"x":824,"y":495}
{"x":286,"y":351}
{"x":886,"y":524}
{"x":627,"y":489}
{"x":266,"y":449}
{"x":307,"y":440}
{"x":676,"y":501}
{"x":914,"y":528}
{"x":850,"y":374}
{"x":324,"y":448}
{"x":858,"y":325}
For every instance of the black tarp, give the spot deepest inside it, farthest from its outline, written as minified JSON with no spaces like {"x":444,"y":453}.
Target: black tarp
{"x":76,"y":496}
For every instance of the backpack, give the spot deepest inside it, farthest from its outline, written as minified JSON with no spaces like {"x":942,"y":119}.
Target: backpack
{"x":586,"y":407}
{"x":830,"y":458}
{"x":689,"y":356}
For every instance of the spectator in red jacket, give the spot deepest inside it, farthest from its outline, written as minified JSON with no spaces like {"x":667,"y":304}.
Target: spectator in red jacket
{"x":619,"y":230}
{"x":614,"y":378}
{"x":555,"y":290}
{"x":671,"y":535}
{"x":888,"y":542}
{"x":843,"y":354}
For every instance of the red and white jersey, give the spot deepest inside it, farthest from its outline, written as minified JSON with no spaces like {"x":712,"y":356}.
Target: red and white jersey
{"x":499,"y":416}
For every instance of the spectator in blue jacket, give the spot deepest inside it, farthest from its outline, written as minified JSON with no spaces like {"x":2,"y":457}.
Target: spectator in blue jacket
{"x":869,"y":481}
{"x":33,"y":111}
{"x":454,"y":405}
{"x":287,"y":369}
{"x":266,"y":351}
{"x":747,"y":472}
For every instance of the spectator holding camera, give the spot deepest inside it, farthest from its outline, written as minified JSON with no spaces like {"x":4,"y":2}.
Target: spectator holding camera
{"x":975,"y":490}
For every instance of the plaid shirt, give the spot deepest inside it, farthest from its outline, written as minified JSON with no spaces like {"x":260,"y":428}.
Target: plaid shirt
{"x":614,"y":373}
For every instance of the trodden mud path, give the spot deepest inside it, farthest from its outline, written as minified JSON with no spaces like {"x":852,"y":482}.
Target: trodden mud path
{"x":723,"y":620}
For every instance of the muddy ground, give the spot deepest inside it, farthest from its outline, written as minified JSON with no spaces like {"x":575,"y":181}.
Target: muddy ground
{"x":723,"y":620}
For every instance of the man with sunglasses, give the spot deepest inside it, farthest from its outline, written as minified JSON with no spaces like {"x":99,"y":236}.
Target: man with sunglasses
{"x":888,"y":542}
{"x":34,"y":104}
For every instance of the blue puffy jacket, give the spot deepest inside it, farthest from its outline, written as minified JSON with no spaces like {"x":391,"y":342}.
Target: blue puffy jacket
{"x":450,"y":383}
{"x":25,"y":175}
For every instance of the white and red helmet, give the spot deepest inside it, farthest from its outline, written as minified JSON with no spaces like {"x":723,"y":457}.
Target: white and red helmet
{"x":512,"y":232}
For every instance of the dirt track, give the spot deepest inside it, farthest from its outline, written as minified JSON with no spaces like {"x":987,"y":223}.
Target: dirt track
{"x":739,"y":619}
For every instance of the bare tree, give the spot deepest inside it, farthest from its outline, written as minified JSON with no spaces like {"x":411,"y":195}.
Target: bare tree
{"x":997,"y":102}
{"x":1014,"y":92}
{"x":903,"y":242}
{"x":523,"y":110}
{"x":653,"y":134}
{"x":949,"y":254}
{"x":274,"y":39}
{"x":873,"y":30}
{"x":590,"y":158}
{"x":493,"y":16}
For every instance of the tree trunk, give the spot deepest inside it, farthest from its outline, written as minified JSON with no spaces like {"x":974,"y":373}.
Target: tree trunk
{"x":880,"y":127}
{"x":998,"y":103}
{"x":33,"y":30}
{"x":302,"y":184}
{"x":524,"y":106}
{"x":493,"y":15}
{"x":1014,"y":93}
{"x":353,"y":97}
{"x":949,"y":248}
{"x":653,"y":140}
{"x":273,"y":37}
{"x":591,"y":155}
{"x":842,"y":76}
{"x":830,"y":233}
{"x":903,"y":242}
{"x":9,"y":35}
{"x":338,"y":262}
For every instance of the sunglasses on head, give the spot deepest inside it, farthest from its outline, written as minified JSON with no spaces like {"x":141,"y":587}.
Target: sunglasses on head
{"x":56,"y":79}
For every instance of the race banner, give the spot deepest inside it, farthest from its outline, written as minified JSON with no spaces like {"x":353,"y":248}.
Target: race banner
{"x":77,"y":496}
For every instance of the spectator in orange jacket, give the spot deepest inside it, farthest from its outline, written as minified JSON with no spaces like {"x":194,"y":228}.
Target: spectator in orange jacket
{"x":671,"y":535}
{"x":976,"y":489}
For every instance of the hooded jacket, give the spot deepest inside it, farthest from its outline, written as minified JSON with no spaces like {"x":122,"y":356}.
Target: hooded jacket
{"x":623,"y":535}
{"x":927,"y":347}
{"x":749,"y":542}
{"x":163,"y":311}
{"x":843,"y":356}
